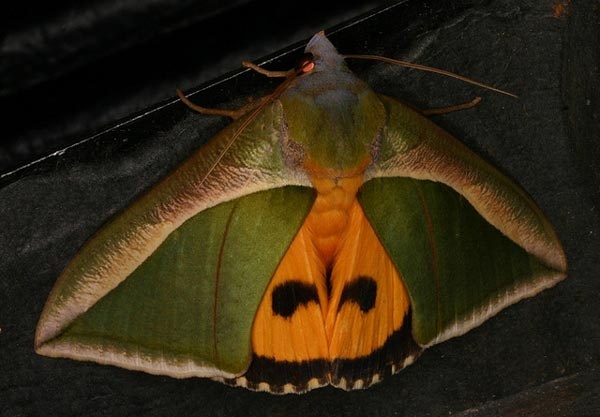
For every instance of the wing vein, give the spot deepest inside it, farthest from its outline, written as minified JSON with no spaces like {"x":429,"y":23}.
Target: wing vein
{"x":217,"y":280}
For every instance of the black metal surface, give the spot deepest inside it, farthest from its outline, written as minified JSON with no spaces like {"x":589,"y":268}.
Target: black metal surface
{"x":66,"y":73}
{"x":539,"y":357}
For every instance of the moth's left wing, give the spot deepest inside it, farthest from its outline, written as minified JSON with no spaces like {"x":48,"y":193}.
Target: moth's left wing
{"x":171,"y":284}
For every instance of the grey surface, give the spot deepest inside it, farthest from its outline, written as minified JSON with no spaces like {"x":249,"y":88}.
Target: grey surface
{"x":538,"y":358}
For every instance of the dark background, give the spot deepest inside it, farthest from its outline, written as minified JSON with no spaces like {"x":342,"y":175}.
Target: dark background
{"x":90,"y":121}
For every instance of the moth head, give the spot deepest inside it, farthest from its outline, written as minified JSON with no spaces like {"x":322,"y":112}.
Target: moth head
{"x":330,"y":113}
{"x":325,"y":56}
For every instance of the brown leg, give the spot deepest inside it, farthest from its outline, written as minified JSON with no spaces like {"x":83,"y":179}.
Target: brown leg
{"x":234,"y":114}
{"x":450,"y":109}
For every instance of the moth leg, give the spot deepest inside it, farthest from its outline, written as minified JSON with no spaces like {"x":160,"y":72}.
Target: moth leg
{"x":267,"y":73}
{"x":234,"y":114}
{"x":450,"y":109}
{"x":252,"y":104}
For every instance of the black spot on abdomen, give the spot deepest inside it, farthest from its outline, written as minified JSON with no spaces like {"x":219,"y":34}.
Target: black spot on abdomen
{"x":287,"y":297}
{"x":362,"y":291}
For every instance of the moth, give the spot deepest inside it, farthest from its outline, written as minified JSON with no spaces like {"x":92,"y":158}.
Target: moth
{"x":327,"y":236}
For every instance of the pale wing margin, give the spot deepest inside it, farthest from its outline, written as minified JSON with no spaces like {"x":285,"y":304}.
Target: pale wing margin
{"x":258,"y":159}
{"x":133,"y":360}
{"x":412,"y":146}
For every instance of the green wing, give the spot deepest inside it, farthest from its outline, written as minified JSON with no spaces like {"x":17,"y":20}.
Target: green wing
{"x":466,"y":240}
{"x":171,"y":285}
